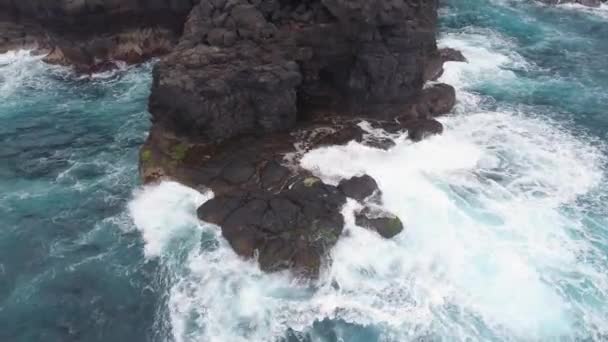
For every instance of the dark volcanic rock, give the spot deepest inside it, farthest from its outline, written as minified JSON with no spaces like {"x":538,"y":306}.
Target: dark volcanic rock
{"x":359,"y":188}
{"x":433,"y":68}
{"x":420,"y":129}
{"x":439,"y":99}
{"x":435,"y":100}
{"x":281,"y":62}
{"x":452,"y":55}
{"x":216,"y":93}
{"x":292,"y":229}
{"x":273,"y":176}
{"x":14,"y":36}
{"x":434,"y":63}
{"x":386,"y":224}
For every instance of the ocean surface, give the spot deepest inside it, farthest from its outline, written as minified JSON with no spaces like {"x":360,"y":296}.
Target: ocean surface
{"x":506,"y":218}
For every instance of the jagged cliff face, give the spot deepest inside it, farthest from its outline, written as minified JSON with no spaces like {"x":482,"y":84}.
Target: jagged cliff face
{"x":257,"y":66}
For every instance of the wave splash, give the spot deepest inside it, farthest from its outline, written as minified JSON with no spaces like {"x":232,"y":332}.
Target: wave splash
{"x":601,"y":11}
{"x":497,"y":245}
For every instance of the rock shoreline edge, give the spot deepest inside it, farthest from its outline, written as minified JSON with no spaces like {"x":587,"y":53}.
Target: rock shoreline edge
{"x":253,"y":85}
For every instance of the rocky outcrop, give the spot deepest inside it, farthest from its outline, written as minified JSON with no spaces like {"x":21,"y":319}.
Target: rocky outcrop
{"x":252,"y":85}
{"x":87,"y":34}
{"x":280,"y":61}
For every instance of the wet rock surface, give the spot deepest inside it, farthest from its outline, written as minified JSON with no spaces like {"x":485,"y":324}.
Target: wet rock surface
{"x":384,"y":223}
{"x":420,"y":129}
{"x":434,"y":65}
{"x":452,"y":55}
{"x":359,"y":187}
{"x":292,"y":229}
{"x":438,"y":99}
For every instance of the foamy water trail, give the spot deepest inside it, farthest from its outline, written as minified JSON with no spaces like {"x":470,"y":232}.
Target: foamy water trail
{"x":24,"y":71}
{"x":164,"y":213}
{"x":601,"y":11}
{"x":17,"y":70}
{"x":497,"y":243}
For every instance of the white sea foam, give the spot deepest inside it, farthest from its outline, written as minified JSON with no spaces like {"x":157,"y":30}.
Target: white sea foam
{"x":164,"y":212}
{"x":601,"y":11}
{"x":482,"y":208}
{"x":492,"y":248}
{"x":23,"y":70}
{"x":16,"y":70}
{"x":491,"y":58}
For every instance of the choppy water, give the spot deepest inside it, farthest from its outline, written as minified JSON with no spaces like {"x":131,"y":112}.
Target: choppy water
{"x":507,"y":230}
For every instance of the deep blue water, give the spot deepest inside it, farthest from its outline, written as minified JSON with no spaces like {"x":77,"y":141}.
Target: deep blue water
{"x":507,"y":235}
{"x":69,"y":271}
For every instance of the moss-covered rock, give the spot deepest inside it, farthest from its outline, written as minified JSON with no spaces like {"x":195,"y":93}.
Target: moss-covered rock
{"x":146,"y":156}
{"x":310,"y":181}
{"x":179,"y":151}
{"x":386,"y":224}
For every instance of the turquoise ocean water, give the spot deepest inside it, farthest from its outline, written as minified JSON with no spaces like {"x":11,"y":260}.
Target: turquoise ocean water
{"x":507,"y":226}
